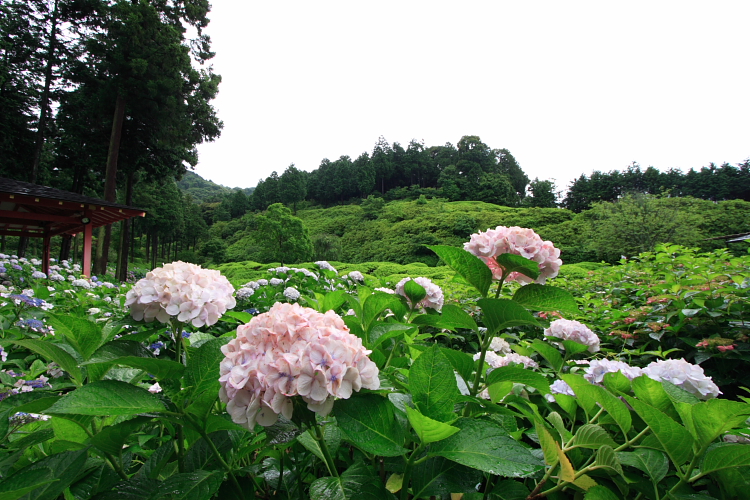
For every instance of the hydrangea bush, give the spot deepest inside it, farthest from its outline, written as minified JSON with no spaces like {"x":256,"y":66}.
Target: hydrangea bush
{"x":325,"y":386}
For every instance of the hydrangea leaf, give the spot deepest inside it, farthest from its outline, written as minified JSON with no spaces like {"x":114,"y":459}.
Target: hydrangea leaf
{"x":414,"y":291}
{"x":714,"y":417}
{"x":64,"y":467}
{"x":437,"y":476}
{"x":380,"y":332}
{"x":24,"y":482}
{"x":653,"y":463}
{"x":429,"y":430}
{"x":519,"y":375}
{"x":470,"y":267}
{"x":600,"y":492}
{"x":572,"y":347}
{"x":551,"y":354}
{"x":85,"y":336}
{"x":513,"y":263}
{"x":675,"y":440}
{"x":197,"y":485}
{"x":159,"y":368}
{"x":460,"y":361}
{"x":333,"y":300}
{"x":331,"y":434}
{"x":369,"y":422}
{"x":202,"y":375}
{"x":509,"y":489}
{"x":433,"y":385}
{"x":451,"y":317}
{"x":725,"y":456}
{"x":56,"y":354}
{"x":606,"y":459}
{"x":112,"y":438}
{"x":652,"y":393}
{"x":487,"y":446}
{"x":550,"y":448}
{"x":592,"y":436}
{"x":504,"y":313}
{"x":546,"y":298}
{"x":356,"y":482}
{"x":374,"y":305}
{"x":108,"y":397}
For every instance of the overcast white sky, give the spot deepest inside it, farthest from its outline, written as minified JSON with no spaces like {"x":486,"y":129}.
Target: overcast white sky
{"x":568,"y":87}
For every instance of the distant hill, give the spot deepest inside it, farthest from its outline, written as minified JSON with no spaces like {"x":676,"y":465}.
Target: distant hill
{"x":204,"y":191}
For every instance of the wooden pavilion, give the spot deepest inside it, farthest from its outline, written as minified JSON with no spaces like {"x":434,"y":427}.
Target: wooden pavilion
{"x":43,"y":212}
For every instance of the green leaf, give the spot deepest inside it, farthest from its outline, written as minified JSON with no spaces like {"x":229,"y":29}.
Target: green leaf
{"x":546,"y":298}
{"x":112,"y":438}
{"x":198,"y":485}
{"x":136,"y":488}
{"x":725,"y":456}
{"x":714,"y":417}
{"x":451,"y":317}
{"x":357,"y":482}
{"x":616,"y":382}
{"x":462,"y":362}
{"x":85,"y":336}
{"x":486,"y":446}
{"x":108,"y":397}
{"x":437,"y":476}
{"x":429,"y":430}
{"x":333,"y":300}
{"x":499,"y":390}
{"x":63,"y":466}
{"x":600,"y":492}
{"x":201,"y":456}
{"x":510,"y":490}
{"x":202,"y":376}
{"x":652,"y":393}
{"x":519,"y":375}
{"x":512,"y":263}
{"x":331,"y":434}
{"x":550,"y":447}
{"x":593,"y":436}
{"x":156,"y":462}
{"x":24,"y":482}
{"x":590,"y":396}
{"x":572,"y":347}
{"x":675,"y":440}
{"x":551,"y":354}
{"x":118,"y":349}
{"x":101,"y":478}
{"x":380,"y":332}
{"x":374,"y":305}
{"x":54,"y":353}
{"x":504,"y":313}
{"x":653,"y":463}
{"x":414,"y":291}
{"x":433,"y":385}
{"x":468,"y":266}
{"x":240,"y":316}
{"x":606,"y":459}
{"x":368,"y":421}
{"x":160,"y":368}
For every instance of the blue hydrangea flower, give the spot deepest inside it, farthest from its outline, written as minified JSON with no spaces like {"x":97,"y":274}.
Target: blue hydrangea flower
{"x":29,"y":301}
{"x":32,"y":324}
{"x":185,"y":335}
{"x":252,"y":311}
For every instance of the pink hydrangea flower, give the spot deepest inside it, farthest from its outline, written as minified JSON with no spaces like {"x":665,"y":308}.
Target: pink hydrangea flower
{"x":292,"y":351}
{"x":434,"y":298}
{"x":518,"y":241}
{"x":186,"y":291}
{"x":685,"y":375}
{"x":566,"y":329}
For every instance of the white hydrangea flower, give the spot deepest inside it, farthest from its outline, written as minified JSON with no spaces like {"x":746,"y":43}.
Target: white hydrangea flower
{"x":262,"y":282}
{"x":38,"y":275}
{"x":81,"y":283}
{"x":496,"y":361}
{"x":356,"y":276}
{"x":385,"y":290}
{"x":276,"y":281}
{"x":291,"y":293}
{"x":597,"y":368}
{"x":685,"y":375}
{"x":500,"y":345}
{"x":325,"y":265}
{"x":566,"y":329}
{"x":245,"y":293}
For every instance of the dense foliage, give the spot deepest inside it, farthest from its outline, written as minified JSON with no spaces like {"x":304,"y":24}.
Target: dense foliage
{"x":474,"y":390}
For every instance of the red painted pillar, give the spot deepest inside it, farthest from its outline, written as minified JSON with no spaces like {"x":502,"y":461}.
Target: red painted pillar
{"x":87,"y":236}
{"x":46,"y":254}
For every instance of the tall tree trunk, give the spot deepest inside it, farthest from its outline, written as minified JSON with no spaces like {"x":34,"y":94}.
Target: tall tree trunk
{"x":110,"y":183}
{"x":65,"y":247}
{"x":122,"y":263}
{"x":23,"y":242}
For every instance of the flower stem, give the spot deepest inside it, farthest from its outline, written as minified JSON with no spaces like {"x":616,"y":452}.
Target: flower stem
{"x":324,"y":448}
{"x":407,"y":472}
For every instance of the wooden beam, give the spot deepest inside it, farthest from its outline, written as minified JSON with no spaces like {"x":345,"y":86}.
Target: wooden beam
{"x":10,"y":214}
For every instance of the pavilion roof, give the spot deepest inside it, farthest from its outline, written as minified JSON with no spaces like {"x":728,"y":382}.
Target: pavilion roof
{"x":35,"y":211}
